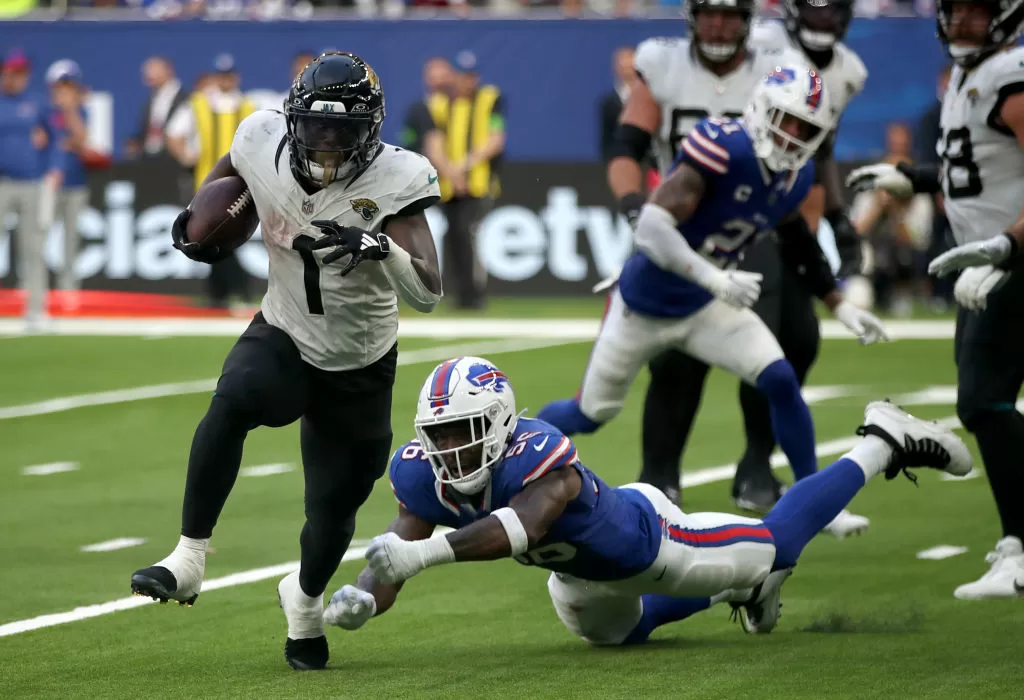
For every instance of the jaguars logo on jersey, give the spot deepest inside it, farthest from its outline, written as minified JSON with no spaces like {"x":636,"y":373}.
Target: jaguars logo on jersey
{"x":366,"y":208}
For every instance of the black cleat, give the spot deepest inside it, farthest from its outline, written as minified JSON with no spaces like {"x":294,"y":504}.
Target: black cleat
{"x":306,"y":654}
{"x":757,"y":495}
{"x":158,"y":583}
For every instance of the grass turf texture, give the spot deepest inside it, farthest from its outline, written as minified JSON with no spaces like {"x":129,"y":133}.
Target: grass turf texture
{"x":862,"y":618}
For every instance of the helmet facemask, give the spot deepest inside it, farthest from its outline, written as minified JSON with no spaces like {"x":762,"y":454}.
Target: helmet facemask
{"x":328,"y":147}
{"x":788,"y":124}
{"x":973,"y":31}
{"x":818,"y":25}
{"x":462,"y":450}
{"x":717,"y":19}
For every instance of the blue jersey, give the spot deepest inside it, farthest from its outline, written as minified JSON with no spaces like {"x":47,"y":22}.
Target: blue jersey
{"x":605,"y":534}
{"x":742,"y":198}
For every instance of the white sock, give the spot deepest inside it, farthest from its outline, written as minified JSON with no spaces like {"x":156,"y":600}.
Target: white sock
{"x":306,"y":620}
{"x":872,"y":455}
{"x":187,"y":562}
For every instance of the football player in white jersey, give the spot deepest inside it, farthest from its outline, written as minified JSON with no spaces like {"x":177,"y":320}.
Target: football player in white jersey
{"x":981,"y":177}
{"x":323,"y":347}
{"x":683,"y":81}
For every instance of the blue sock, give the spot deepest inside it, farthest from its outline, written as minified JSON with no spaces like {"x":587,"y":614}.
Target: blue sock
{"x":567,"y":417}
{"x":662,"y":609}
{"x":791,"y":419}
{"x":808,"y":506}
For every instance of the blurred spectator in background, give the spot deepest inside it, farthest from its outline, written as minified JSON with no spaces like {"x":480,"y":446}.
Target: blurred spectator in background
{"x":64,"y":192}
{"x":465,"y":142}
{"x":928,"y":134}
{"x":165,"y":97}
{"x":25,"y":158}
{"x":274,"y":99}
{"x":438,"y":79}
{"x":199,"y":134}
{"x":899,"y":233}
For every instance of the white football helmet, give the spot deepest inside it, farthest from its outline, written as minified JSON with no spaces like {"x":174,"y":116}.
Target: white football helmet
{"x":465,"y":417}
{"x":788,"y":99}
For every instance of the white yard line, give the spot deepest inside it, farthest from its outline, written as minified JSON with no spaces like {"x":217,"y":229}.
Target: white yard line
{"x":267,"y":469}
{"x":437,"y":328}
{"x":410,"y":357}
{"x":113,"y":545}
{"x":942,"y":551}
{"x":51,"y":468}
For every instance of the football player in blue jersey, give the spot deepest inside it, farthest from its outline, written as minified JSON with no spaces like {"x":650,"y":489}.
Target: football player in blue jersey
{"x":733,"y":180}
{"x":623,"y":560}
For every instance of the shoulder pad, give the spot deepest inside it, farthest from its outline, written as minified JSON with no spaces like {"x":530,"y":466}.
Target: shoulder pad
{"x":654,"y":61}
{"x":538,"y":450}
{"x":1003,"y":69}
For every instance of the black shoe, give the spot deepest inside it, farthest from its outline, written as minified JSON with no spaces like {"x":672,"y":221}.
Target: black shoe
{"x":306,"y":654}
{"x":757,"y":495}
{"x":158,"y":583}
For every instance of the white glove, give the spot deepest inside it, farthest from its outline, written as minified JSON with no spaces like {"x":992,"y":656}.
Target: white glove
{"x":393,"y":559}
{"x":881,"y":176}
{"x":990,"y":251}
{"x":975,"y":284}
{"x":863,"y":324}
{"x":735,"y":287}
{"x":350,"y":608}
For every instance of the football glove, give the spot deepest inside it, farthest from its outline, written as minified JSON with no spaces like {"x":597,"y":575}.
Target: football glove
{"x":975,"y":284}
{"x":350,"y":608}
{"x":737,"y":288}
{"x":991,"y":251}
{"x":881,"y":176}
{"x":392,"y":559}
{"x":193,"y":251}
{"x":350,"y":240}
{"x":848,"y":244}
{"x":863,"y":324}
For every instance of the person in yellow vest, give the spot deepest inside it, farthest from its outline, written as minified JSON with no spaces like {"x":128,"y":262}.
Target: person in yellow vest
{"x":199,"y":133}
{"x":465,"y":142}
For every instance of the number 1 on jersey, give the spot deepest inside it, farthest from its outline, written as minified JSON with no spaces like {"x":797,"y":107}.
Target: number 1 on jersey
{"x":310,"y":273}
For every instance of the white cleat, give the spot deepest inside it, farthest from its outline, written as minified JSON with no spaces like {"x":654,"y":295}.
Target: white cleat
{"x":760,"y":614}
{"x":846,"y":524}
{"x":915,"y":442}
{"x":1005,"y":579}
{"x":178,"y":576}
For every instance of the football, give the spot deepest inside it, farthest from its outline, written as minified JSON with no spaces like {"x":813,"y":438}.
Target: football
{"x":223,"y":214}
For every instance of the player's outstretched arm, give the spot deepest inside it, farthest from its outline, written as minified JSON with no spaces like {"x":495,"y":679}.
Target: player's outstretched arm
{"x":640,"y":118}
{"x":506,"y":532}
{"x":351,"y":607}
{"x":412,"y":267}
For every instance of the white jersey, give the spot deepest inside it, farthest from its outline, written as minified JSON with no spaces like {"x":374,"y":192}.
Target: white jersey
{"x":844,"y":76}
{"x":337,"y":323}
{"x":983,"y":165}
{"x":687,"y":91}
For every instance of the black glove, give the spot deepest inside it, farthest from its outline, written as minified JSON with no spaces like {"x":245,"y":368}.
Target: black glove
{"x":848,"y":243}
{"x":193,"y":251}
{"x":630,"y":206}
{"x":350,"y":240}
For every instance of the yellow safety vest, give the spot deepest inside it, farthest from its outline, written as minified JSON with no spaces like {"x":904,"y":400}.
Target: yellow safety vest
{"x":16,"y":8}
{"x":216,"y":131}
{"x":466,"y":124}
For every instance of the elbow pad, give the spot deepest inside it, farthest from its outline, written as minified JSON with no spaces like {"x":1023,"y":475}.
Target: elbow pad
{"x":801,"y":253}
{"x":406,"y":281}
{"x":630,"y":142}
{"x":924,"y":178}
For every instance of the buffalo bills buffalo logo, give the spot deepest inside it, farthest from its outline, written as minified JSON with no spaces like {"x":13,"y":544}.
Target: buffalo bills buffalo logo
{"x":487,"y":377}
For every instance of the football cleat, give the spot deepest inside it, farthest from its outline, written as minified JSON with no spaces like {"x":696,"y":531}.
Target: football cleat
{"x":757,"y":496}
{"x":179,"y":576}
{"x":760,"y":614}
{"x":1005,"y":578}
{"x":305,"y":649}
{"x":846,"y":524}
{"x":915,"y":442}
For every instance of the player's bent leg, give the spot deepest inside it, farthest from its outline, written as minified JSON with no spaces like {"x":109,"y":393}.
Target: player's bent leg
{"x":626,"y":341}
{"x":262,"y":383}
{"x":894,"y":441}
{"x":594,"y":613}
{"x":670,"y":408}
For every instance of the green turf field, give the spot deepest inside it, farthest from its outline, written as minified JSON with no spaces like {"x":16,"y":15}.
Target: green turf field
{"x":863,"y":618}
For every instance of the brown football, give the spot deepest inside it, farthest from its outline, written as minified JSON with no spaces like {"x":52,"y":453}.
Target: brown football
{"x":223,"y":214}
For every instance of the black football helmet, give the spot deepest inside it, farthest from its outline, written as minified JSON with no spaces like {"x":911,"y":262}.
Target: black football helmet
{"x":1006,"y":21}
{"x":334,"y":112}
{"x":818,"y":25}
{"x":710,"y":49}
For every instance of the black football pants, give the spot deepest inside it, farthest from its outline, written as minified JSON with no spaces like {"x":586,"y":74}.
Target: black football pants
{"x":677,"y":380}
{"x":345,"y":438}
{"x":989,"y":352}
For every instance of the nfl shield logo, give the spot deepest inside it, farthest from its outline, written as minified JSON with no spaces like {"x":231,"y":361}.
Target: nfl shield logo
{"x":307,"y":206}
